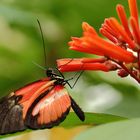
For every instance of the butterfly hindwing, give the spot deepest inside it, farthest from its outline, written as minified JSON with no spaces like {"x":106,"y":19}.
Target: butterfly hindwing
{"x":50,"y":110}
{"x":30,"y":119}
{"x":77,"y":109}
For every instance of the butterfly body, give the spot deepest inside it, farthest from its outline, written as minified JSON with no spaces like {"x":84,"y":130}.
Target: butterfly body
{"x":42,"y":104}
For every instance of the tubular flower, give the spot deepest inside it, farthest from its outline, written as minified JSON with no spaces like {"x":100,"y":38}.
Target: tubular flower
{"x":85,"y":64}
{"x":120,"y":52}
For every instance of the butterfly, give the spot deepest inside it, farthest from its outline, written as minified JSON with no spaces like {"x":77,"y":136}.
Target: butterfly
{"x":42,"y":104}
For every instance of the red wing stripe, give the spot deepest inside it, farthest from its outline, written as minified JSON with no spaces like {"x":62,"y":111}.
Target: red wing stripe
{"x":46,"y":115}
{"x":53,"y":114}
{"x":51,"y":107}
{"x":66,"y":99}
{"x":57,"y":108}
{"x":41,"y":116}
{"x":62,"y":104}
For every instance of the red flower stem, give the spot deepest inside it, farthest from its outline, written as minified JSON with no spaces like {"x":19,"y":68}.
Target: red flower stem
{"x":139,"y":59}
{"x":127,"y":70}
{"x":130,"y":72}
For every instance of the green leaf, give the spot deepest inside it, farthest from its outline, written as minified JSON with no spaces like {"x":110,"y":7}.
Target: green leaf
{"x":72,"y":120}
{"x":90,"y":119}
{"x":123,"y":130}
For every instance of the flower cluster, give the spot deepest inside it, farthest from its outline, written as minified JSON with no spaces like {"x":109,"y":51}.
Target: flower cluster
{"x":120,"y":52}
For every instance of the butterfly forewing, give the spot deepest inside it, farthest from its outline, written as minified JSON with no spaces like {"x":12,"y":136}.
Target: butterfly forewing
{"x":32,"y":92}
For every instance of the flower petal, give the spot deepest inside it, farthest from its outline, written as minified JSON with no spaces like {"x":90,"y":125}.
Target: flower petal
{"x":87,"y":28}
{"x":79,"y":64}
{"x":123,"y":34}
{"x":123,"y":18}
{"x":135,"y":28}
{"x":134,"y":10}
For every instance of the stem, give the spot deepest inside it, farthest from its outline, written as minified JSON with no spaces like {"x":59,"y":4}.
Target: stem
{"x":127,"y":70}
{"x":130,"y":72}
{"x":139,"y":59}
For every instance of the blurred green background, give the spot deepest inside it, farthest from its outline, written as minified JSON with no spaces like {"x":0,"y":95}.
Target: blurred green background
{"x":21,"y":44}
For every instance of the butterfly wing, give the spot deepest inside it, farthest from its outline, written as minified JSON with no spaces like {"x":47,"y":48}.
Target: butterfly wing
{"x":10,"y":116}
{"x":14,"y":107}
{"x":50,"y":110}
{"x":41,"y":104}
{"x":33,"y":91}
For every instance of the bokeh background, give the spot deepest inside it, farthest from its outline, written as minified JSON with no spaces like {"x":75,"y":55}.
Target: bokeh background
{"x":21,"y":45}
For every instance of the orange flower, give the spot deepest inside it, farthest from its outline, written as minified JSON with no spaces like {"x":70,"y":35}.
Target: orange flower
{"x":122,"y":34}
{"x":69,"y":65}
{"x":92,"y":43}
{"x":121,"y":52}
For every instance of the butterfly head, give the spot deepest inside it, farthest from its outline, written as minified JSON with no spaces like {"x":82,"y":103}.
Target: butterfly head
{"x":59,"y":78}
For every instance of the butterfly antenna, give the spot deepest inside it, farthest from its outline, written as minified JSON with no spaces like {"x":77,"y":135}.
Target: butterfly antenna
{"x":77,"y":79}
{"x":43,"y":43}
{"x":38,"y":65}
{"x":67,"y":81}
{"x":72,"y":86}
{"x":60,"y":73}
{"x":67,"y":63}
{"x":62,"y":66}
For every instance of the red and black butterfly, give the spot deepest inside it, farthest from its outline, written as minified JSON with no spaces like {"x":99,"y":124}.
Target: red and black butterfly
{"x":42,"y":104}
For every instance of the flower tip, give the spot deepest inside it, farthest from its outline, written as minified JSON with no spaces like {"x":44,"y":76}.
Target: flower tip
{"x":87,"y":28}
{"x":119,"y":6}
{"x":112,"y":19}
{"x":101,"y":30}
{"x":75,"y":38}
{"x":106,"y":20}
{"x":102,"y":25}
{"x":70,"y":43}
{"x":120,"y":9}
{"x":73,"y":48}
{"x":84,"y":25}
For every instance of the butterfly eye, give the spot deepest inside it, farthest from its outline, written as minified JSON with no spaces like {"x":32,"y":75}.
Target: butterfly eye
{"x":49,"y":72}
